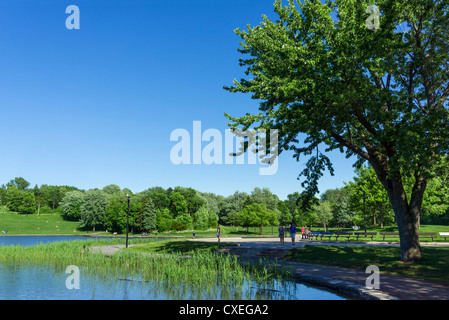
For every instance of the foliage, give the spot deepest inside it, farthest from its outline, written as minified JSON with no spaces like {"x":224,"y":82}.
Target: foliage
{"x":379,"y":95}
{"x":323,"y":213}
{"x":71,"y":205}
{"x":257,"y":214}
{"x":20,"y":201}
{"x":93,"y":210}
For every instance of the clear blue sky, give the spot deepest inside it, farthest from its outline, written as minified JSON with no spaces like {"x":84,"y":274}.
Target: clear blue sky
{"x":96,"y":106}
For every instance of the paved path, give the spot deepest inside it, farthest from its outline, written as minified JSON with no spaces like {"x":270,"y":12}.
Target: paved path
{"x":393,"y":286}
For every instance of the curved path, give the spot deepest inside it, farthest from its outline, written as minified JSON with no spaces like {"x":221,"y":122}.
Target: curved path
{"x":344,"y":279}
{"x":349,"y":281}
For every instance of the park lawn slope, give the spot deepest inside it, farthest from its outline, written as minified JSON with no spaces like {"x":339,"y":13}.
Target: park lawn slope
{"x":17,"y":224}
{"x":433,"y":266}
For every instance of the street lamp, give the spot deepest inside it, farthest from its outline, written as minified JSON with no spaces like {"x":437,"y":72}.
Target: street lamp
{"x":127,"y":222}
{"x":364,"y":209}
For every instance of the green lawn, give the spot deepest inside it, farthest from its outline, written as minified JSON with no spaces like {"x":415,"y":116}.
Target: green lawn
{"x":433,"y":266}
{"x":17,"y":224}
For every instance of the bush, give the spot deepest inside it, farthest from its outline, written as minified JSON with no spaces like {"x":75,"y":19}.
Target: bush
{"x":178,"y":226}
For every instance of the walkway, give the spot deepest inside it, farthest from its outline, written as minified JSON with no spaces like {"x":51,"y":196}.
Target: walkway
{"x":349,"y":281}
{"x":343,"y":279}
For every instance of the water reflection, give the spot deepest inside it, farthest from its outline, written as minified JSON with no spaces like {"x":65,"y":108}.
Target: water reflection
{"x":34,"y":282}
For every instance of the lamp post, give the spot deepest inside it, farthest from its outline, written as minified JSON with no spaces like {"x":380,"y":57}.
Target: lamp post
{"x":127,"y":222}
{"x":364,"y":209}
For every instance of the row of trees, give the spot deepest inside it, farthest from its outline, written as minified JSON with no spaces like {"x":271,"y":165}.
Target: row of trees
{"x":19,"y":197}
{"x":186,"y":208}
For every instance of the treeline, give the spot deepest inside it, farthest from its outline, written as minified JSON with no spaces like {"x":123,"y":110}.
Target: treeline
{"x":365,"y":199}
{"x":180,"y":208}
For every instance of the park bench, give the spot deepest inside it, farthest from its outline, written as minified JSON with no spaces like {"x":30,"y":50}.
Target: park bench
{"x":343,"y":234}
{"x":326,"y":234}
{"x":389,"y":234}
{"x":307,"y":235}
{"x":427,"y":235}
{"x":314,"y":234}
{"x":365,"y":234}
{"x":421,"y":235}
{"x":444,"y":235}
{"x":311,"y":235}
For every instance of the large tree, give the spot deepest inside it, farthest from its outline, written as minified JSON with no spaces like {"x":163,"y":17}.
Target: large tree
{"x":257,"y":214}
{"x":377,"y":91}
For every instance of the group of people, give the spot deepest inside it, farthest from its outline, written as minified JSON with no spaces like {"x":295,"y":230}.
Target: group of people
{"x":292,"y":230}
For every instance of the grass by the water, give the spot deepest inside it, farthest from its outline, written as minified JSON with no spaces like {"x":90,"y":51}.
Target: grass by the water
{"x":203,"y":271}
{"x":178,"y":246}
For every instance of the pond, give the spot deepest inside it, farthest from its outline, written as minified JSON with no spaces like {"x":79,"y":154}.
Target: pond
{"x":35,"y":240}
{"x":34,"y":281}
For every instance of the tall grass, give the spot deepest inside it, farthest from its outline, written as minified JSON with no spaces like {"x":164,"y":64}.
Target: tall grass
{"x":203,"y":274}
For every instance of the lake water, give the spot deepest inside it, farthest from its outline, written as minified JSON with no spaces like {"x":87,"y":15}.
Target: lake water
{"x":35,"y":240}
{"x":25,"y":281}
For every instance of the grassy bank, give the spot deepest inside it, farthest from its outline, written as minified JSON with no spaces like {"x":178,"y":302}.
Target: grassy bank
{"x":433,"y":266}
{"x":204,"y":274}
{"x":178,"y":247}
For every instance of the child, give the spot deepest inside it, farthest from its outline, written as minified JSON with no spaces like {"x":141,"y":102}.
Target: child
{"x":293,"y":233}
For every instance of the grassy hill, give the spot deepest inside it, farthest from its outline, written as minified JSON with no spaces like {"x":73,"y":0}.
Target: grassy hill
{"x":33,"y":224}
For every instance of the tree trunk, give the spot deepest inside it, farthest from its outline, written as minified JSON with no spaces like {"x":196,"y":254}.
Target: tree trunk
{"x":408,"y":234}
{"x":407,"y":217}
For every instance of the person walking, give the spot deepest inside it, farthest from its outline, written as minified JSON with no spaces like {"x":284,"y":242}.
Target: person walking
{"x":293,"y":233}
{"x":218,"y":232}
{"x":281,"y":233}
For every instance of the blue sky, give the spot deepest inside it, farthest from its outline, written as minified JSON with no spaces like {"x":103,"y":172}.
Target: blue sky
{"x":96,"y":106}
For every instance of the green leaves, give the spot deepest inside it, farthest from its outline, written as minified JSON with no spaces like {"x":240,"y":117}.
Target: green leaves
{"x":257,"y":214}
{"x":318,"y":70}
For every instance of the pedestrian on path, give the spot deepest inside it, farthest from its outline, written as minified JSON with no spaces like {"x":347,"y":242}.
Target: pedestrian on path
{"x":281,"y":233}
{"x":293,"y":233}
{"x":218,"y":232}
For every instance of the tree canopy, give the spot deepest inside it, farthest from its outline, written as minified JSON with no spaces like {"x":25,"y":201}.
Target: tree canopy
{"x":380,"y":94}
